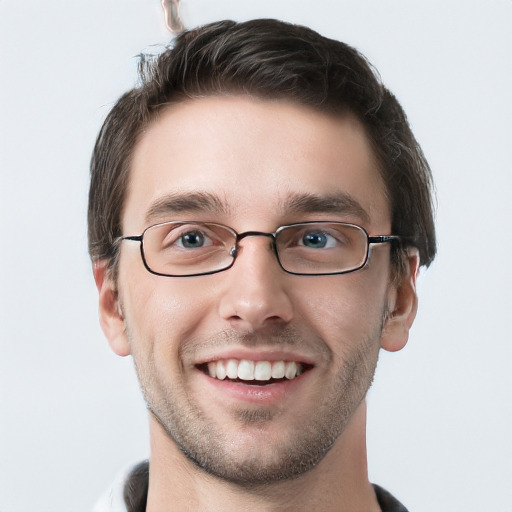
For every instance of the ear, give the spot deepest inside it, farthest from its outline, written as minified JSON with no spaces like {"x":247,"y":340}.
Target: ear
{"x":402,"y":304}
{"x":110,"y":312}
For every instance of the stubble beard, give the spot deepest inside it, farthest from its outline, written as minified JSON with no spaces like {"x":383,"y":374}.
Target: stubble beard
{"x":299,"y":450}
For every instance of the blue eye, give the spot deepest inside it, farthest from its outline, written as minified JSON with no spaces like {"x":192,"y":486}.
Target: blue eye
{"x":192,"y":240}
{"x":314,"y":240}
{"x":318,"y":240}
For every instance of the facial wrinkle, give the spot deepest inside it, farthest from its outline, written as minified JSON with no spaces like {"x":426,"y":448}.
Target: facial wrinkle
{"x":286,"y":337}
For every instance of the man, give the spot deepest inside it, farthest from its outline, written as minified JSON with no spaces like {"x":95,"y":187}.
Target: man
{"x":259,"y":210}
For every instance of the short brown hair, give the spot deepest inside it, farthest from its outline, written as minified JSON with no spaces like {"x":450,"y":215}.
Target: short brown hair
{"x":268,"y":59}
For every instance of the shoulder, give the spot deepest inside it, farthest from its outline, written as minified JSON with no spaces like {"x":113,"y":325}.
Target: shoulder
{"x":387,"y":502}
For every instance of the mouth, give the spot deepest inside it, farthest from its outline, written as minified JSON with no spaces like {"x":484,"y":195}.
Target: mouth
{"x":255,"y":373}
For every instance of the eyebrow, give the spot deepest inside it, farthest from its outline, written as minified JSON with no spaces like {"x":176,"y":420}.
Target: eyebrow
{"x":339,"y":203}
{"x":189,"y":202}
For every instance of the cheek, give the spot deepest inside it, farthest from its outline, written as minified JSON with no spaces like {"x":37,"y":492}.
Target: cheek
{"x":346,"y":310}
{"x":162,"y":314}
{"x":159,"y":311}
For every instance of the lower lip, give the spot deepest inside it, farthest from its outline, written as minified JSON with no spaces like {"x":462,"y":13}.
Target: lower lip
{"x":266,"y":394}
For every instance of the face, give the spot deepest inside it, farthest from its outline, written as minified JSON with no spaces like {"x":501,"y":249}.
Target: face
{"x":254,"y":166}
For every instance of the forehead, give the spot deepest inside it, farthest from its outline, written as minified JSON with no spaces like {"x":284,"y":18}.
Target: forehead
{"x":252,"y":161}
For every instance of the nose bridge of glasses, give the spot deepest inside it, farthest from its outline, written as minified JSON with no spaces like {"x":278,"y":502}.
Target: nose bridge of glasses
{"x":240,"y":236}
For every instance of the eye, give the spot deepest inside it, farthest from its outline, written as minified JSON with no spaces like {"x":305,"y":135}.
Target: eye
{"x":184,"y":237}
{"x":318,"y":240}
{"x":191,"y":240}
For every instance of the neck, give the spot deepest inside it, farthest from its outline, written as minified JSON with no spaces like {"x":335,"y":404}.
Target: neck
{"x":338,"y":483}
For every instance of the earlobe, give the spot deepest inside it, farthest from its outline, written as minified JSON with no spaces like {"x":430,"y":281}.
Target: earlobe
{"x":110,"y":311}
{"x":403,"y":305}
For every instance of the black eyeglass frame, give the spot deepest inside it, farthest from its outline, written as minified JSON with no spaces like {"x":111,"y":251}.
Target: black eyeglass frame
{"x":379,"y":239}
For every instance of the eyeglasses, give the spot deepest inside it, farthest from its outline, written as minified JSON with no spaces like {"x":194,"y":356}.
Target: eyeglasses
{"x":189,"y":248}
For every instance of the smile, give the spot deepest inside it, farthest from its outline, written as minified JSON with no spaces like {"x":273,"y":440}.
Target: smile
{"x":261,"y":371}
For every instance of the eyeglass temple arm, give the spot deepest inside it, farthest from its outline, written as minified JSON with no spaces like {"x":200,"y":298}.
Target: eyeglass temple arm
{"x":119,"y":239}
{"x":384,"y":239}
{"x":135,"y":238}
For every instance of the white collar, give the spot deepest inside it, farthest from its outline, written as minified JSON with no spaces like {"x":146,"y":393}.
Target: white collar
{"x":112,"y":500}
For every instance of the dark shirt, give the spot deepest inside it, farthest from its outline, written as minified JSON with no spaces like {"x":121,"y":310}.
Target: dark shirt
{"x":136,"y":492}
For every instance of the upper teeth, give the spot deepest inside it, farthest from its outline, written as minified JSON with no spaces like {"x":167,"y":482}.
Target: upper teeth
{"x":253,"y":370}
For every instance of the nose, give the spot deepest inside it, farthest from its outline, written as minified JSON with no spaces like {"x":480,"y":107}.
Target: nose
{"x":255,"y":294}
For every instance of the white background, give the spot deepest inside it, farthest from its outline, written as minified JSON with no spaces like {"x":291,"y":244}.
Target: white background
{"x":71,"y":415}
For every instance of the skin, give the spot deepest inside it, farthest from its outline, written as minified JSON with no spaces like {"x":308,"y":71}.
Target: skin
{"x":252,"y":156}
